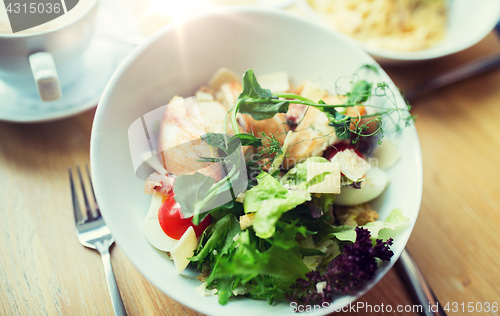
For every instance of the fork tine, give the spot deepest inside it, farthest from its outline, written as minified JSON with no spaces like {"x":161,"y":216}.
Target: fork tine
{"x":93,"y":193}
{"x":76,"y":206}
{"x":87,"y":205}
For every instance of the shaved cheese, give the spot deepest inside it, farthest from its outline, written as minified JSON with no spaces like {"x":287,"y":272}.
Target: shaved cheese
{"x":320,"y":286}
{"x":222,"y":76}
{"x":202,"y":96}
{"x":351,"y":165}
{"x":312,"y":91}
{"x":152,"y":229}
{"x":229,"y":93}
{"x":331,"y":182}
{"x":240,"y":290}
{"x":202,"y":289}
{"x":241,"y":197}
{"x":184,"y":249}
{"x":276,"y":82}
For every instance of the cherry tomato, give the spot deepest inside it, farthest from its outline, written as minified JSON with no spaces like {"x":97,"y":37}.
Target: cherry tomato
{"x":333,"y":150}
{"x":173,"y":224}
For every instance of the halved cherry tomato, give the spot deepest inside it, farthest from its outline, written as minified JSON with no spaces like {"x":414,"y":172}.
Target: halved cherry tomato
{"x":333,"y":150}
{"x":173,"y":224}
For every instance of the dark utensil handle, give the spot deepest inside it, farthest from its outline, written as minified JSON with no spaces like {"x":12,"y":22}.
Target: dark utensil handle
{"x":470,"y":69}
{"x":497,"y":28}
{"x":418,"y":286}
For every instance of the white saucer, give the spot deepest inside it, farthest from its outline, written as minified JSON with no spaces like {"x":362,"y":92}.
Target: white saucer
{"x":101,"y":59}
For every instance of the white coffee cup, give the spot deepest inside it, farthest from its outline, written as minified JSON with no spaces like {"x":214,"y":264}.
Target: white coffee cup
{"x":47,"y":57}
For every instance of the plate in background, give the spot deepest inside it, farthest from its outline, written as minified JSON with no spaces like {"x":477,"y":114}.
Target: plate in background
{"x":469,"y":22}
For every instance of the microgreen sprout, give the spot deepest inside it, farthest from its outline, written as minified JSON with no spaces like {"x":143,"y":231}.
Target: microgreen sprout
{"x":262,"y":104}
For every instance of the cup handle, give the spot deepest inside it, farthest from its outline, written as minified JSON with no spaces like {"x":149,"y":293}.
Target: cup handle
{"x":45,"y":75}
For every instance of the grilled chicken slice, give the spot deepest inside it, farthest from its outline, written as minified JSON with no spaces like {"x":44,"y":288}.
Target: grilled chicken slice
{"x":275,"y":126}
{"x":312,"y":134}
{"x":179,"y":141}
{"x":311,"y":137}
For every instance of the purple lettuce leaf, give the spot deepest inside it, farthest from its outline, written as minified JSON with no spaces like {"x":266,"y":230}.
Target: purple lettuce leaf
{"x":347,"y":273}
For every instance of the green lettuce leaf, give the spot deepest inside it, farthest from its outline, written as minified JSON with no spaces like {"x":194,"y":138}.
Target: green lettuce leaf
{"x":343,"y":233}
{"x":378,"y":229}
{"x":219,"y":237}
{"x":269,"y":200}
{"x":248,"y":261}
{"x":298,"y":174}
{"x":321,"y":204}
{"x":287,"y":233}
{"x":266,"y":271}
{"x":240,"y":260}
{"x":391,"y":226}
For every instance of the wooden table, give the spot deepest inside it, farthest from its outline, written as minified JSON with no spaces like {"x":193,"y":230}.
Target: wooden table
{"x":45,"y":271}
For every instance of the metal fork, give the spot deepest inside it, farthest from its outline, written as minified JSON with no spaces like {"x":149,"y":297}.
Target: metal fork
{"x":92,"y":232}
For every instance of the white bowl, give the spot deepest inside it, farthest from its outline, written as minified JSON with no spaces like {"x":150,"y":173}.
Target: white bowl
{"x":469,"y":22}
{"x":177,"y":60}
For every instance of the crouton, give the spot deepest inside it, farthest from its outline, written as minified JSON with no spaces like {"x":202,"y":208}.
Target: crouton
{"x":355,"y":215}
{"x":246,"y":220}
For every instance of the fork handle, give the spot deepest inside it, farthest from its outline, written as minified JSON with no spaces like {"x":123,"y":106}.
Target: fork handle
{"x":116,"y":299}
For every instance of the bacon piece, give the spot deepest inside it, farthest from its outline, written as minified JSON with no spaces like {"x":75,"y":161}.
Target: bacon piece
{"x":160,"y":183}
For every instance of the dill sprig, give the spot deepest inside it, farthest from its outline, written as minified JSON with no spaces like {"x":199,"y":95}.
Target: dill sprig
{"x":263,"y":157}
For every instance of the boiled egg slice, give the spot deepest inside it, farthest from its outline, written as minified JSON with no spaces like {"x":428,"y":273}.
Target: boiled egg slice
{"x":180,"y":250}
{"x":152,"y":229}
{"x":386,"y":154}
{"x":375,"y":184}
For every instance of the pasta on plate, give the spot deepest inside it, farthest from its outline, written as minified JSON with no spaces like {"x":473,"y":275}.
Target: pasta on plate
{"x":403,"y":25}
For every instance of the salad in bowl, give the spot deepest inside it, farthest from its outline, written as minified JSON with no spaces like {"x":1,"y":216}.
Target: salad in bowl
{"x":265,"y":193}
{"x":277,"y":230}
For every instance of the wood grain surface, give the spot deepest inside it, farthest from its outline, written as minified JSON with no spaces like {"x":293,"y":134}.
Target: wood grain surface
{"x":45,"y":271}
